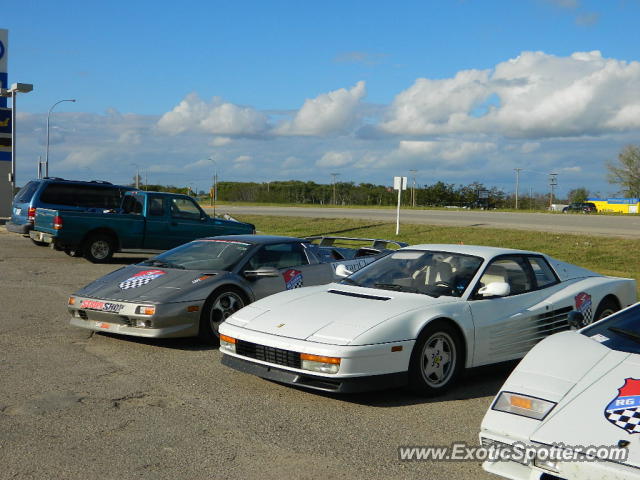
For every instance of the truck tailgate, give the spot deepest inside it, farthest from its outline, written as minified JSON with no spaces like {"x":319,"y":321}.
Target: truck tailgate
{"x":44,"y":220}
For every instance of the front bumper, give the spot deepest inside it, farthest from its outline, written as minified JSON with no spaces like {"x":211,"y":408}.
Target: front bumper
{"x":170,"y":320}
{"x":568,"y":470}
{"x":362,"y":367}
{"x":317,"y":382}
{"x":22,"y":229}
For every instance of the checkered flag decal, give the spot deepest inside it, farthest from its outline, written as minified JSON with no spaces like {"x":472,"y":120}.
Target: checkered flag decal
{"x":583,"y":305}
{"x":627,"y":419}
{"x":296,"y":282}
{"x":140,"y":279}
{"x":134,"y":283}
{"x":293,"y":279}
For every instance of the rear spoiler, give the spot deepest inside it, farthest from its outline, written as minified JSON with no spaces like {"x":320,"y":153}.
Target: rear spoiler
{"x":377,"y":243}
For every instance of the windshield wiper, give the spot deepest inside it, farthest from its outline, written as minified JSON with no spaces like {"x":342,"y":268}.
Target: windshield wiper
{"x":351,"y":281}
{"x":635,"y":336}
{"x":396,"y":287}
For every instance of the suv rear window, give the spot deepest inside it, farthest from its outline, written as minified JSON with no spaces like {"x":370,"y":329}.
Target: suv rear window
{"x":26,"y":192}
{"x":87,"y":196}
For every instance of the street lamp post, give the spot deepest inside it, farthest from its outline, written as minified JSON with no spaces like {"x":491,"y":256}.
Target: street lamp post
{"x":46,"y":157}
{"x":13,"y":93}
{"x":214,"y":194}
{"x":137,"y":174}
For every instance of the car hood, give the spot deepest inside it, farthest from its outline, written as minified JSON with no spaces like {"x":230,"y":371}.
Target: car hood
{"x":585,"y":383}
{"x":334,"y":314}
{"x":596,"y":411}
{"x":149,"y":284}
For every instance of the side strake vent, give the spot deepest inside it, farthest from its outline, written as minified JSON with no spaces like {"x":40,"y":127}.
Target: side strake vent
{"x":359,"y":295}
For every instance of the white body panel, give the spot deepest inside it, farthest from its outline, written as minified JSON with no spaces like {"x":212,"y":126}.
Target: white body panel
{"x":582,"y":376}
{"x":325,"y":320}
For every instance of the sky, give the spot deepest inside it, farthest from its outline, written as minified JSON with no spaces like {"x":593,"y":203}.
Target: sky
{"x":457,"y":90}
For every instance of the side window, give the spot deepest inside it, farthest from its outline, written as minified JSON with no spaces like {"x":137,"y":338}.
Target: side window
{"x":58,"y":194}
{"x":185,"y":208}
{"x":511,"y":270}
{"x":542,"y":272}
{"x":280,"y":255}
{"x":132,"y":204}
{"x":92,"y":196}
{"x":156,"y":208}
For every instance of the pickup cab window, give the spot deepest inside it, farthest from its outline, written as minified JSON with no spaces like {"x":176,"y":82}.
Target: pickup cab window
{"x":156,"y":208}
{"x":185,"y":208}
{"x":132,"y":204}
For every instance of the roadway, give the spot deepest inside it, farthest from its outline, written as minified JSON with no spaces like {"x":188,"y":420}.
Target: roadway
{"x":608,"y":225}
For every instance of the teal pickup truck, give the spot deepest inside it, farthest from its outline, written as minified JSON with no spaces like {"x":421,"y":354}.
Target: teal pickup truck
{"x":145,"y":221}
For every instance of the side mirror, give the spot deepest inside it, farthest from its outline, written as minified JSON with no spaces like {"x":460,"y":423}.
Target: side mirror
{"x":575,"y":320}
{"x":342,"y":271}
{"x":261,"y":273}
{"x":495,"y":289}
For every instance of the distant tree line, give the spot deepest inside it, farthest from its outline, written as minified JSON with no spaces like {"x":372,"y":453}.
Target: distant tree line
{"x":349,"y":193}
{"x":438,"y":194}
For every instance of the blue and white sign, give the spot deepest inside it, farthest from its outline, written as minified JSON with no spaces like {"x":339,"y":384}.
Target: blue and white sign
{"x":5,"y":113}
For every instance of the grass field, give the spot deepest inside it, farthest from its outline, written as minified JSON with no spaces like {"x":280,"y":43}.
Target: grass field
{"x":609,"y":256}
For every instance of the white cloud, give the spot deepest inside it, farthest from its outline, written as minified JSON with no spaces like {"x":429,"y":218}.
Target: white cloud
{"x":130,"y":137}
{"x":450,"y":150}
{"x":417,"y":148}
{"x":537,"y":95}
{"x":85,"y":158}
{"x":220,"y":141}
{"x":335,"y":159}
{"x":328,"y":113}
{"x":217,"y":117}
{"x":293,"y":163}
{"x":529,"y":147}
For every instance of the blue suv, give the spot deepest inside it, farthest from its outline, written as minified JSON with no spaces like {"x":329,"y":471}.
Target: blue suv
{"x":61,"y":194}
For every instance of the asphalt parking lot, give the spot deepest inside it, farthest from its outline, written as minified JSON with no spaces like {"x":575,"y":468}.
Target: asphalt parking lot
{"x":80,"y":405}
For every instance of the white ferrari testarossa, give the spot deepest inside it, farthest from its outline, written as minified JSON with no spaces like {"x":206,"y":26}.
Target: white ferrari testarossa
{"x":416,"y":317}
{"x":573,"y":405}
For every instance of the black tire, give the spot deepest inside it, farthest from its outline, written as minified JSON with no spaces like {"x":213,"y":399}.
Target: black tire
{"x":220,"y":305}
{"x":438,"y":341}
{"x":39,"y":244}
{"x":607,"y":307}
{"x":98,"y":248}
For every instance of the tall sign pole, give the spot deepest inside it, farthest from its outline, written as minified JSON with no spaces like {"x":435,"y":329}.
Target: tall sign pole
{"x":6,"y":129}
{"x":400,"y":184}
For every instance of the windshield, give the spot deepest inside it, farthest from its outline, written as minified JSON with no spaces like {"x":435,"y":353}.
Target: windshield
{"x":620,"y":331}
{"x":419,"y":271}
{"x":202,"y":255}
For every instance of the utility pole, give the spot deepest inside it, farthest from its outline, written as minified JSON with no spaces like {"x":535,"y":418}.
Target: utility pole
{"x":517,"y":184}
{"x":553,"y":182}
{"x":413,"y":189}
{"x":334,"y":176}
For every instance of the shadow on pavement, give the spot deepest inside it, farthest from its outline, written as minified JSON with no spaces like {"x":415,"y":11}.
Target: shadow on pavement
{"x":475,"y":383}
{"x":187,"y":344}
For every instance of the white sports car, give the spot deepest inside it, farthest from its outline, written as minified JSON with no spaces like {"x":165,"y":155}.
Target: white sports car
{"x":576,"y":391}
{"x":416,"y":317}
